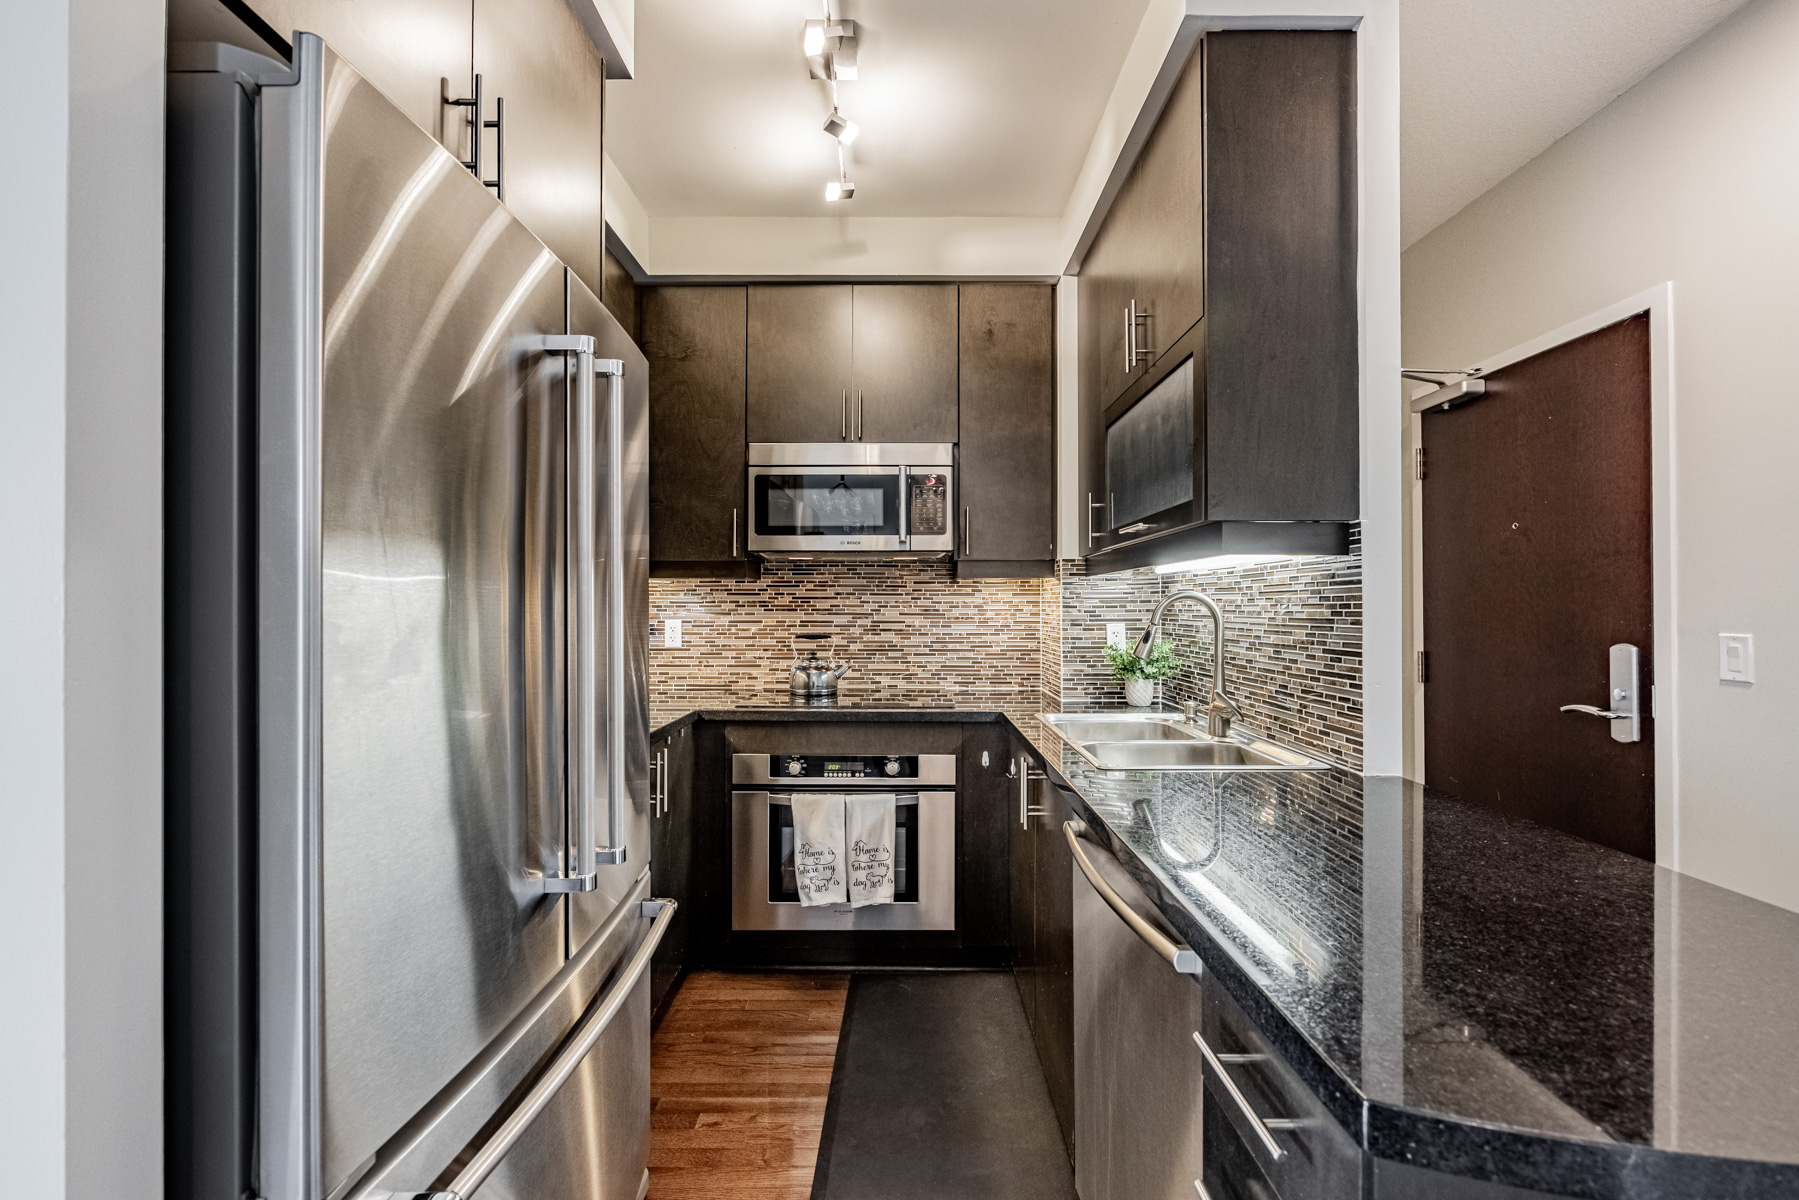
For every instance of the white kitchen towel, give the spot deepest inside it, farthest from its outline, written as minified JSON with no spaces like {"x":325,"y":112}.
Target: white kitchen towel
{"x":868,"y":828}
{"x":818,"y":854}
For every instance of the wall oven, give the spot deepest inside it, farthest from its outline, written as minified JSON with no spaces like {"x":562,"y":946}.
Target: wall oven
{"x":830,"y":499}
{"x":763,"y":891}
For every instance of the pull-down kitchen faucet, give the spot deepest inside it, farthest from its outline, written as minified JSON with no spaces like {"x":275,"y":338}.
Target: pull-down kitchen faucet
{"x":1221,"y":710}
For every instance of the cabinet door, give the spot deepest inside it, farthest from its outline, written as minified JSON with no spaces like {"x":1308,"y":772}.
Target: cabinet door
{"x":1167,"y":219}
{"x":1024,"y":887}
{"x":1007,"y":473}
{"x":671,"y":854}
{"x":799,"y":362}
{"x":1090,"y":430}
{"x":904,"y":368}
{"x":1054,"y":921}
{"x":694,"y":339}
{"x":535,"y":55}
{"x":1108,"y":284}
{"x":410,"y":70}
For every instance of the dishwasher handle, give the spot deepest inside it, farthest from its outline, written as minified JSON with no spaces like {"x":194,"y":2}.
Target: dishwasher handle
{"x":1179,"y":957}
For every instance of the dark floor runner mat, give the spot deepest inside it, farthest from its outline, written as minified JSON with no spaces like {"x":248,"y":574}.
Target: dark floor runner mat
{"x":937,"y":1094}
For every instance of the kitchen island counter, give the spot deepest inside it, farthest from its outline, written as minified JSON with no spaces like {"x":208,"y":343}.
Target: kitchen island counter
{"x":1465,"y":993}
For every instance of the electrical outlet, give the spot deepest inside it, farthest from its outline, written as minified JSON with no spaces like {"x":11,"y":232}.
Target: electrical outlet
{"x":1736,"y":657}
{"x":671,"y":632}
{"x":1115,"y":634}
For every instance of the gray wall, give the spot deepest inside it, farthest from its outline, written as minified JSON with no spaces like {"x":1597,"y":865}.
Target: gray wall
{"x":80,"y":611}
{"x":1690,"y":177}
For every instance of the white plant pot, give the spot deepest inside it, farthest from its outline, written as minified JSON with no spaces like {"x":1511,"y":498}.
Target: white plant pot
{"x":1139,"y":693}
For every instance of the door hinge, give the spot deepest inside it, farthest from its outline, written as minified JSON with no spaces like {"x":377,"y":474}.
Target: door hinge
{"x":1424,"y":666}
{"x":1418,"y":462}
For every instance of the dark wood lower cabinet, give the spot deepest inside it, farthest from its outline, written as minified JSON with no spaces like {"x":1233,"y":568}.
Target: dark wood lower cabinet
{"x":671,"y":855}
{"x":1043,"y":942}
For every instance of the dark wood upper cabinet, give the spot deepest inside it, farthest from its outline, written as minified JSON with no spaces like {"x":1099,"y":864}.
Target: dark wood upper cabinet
{"x":536,"y":56}
{"x":842,"y":362}
{"x":694,"y":338}
{"x":903,"y":365}
{"x":1235,"y":236}
{"x":1007,"y":475}
{"x":1282,"y":402}
{"x":799,"y":362}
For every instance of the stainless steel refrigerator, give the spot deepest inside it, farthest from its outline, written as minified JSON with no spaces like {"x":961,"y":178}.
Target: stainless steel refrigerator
{"x":407,"y":609}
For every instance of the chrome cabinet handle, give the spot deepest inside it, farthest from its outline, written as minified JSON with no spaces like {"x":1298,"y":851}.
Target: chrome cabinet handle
{"x":1025,"y":778}
{"x":1093,"y":535}
{"x":967,"y":535}
{"x":477,"y":125}
{"x":1201,"y":1189}
{"x":733,"y":533}
{"x":1130,"y":336}
{"x":586,"y":1036}
{"x":856,"y":418}
{"x":579,"y":872}
{"x":843,"y":415}
{"x":617,"y":780}
{"x":1242,"y":1102}
{"x":1179,"y":957}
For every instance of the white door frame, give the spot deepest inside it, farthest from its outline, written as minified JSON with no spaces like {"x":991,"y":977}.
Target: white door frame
{"x":1658,"y":302}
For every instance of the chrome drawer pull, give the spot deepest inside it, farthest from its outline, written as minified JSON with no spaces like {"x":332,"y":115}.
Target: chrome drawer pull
{"x":1242,"y":1102}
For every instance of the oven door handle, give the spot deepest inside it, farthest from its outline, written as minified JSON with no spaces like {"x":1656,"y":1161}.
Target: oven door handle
{"x":785,"y":799}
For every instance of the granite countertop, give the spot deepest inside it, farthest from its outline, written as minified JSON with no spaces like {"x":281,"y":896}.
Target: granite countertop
{"x":1466,"y":992}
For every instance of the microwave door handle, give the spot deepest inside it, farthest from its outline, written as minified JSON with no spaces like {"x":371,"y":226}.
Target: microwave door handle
{"x":905,"y":507}
{"x":616,"y":776}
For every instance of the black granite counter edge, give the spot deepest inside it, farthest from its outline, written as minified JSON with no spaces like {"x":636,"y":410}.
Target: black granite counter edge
{"x":1467,"y":1148}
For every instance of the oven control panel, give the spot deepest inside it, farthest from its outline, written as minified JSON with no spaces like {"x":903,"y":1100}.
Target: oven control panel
{"x":929,"y":510}
{"x":827,"y":766}
{"x":823,"y":770}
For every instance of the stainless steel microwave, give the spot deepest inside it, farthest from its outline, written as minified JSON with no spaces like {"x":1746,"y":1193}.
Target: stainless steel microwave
{"x":838,"y":499}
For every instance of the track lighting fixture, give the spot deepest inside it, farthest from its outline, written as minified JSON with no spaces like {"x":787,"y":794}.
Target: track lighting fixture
{"x":841,"y":127}
{"x":830,"y":48}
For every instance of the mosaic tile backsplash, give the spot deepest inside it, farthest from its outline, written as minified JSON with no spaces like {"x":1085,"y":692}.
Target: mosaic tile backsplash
{"x":914,"y":632}
{"x":1293,"y":643}
{"x":1293,"y":640}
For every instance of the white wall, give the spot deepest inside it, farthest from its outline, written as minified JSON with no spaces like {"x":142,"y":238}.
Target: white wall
{"x":1689,"y":177}
{"x":80,"y":602}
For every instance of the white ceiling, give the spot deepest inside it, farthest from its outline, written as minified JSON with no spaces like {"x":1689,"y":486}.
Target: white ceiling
{"x":967,"y":107}
{"x":986,"y":108}
{"x":1487,"y":85}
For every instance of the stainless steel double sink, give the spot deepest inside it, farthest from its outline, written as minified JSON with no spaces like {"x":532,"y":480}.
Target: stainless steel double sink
{"x":1163,"y":742}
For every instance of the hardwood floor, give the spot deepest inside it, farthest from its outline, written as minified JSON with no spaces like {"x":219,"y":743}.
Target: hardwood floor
{"x":740,"y":1071}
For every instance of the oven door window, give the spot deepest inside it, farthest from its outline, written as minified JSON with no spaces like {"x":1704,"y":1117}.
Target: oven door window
{"x":783,"y":888}
{"x":823,"y":503}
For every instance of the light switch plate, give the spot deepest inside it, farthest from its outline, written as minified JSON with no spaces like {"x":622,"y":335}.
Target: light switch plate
{"x":1115,"y":634}
{"x":671,"y":632}
{"x":1736,"y":657}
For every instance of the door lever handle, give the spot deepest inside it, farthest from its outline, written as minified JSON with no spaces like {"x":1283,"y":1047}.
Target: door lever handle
{"x":1592,"y":711}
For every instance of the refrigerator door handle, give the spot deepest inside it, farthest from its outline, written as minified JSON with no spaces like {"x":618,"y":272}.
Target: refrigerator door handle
{"x":617,"y":779}
{"x":579,"y":872}
{"x":585,"y":1037}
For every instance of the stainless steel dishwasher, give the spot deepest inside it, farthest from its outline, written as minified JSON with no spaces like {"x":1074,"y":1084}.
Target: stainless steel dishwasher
{"x":1138,"y":1083}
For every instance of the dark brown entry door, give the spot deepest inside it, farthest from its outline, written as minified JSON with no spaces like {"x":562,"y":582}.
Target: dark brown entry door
{"x":1537,"y":559}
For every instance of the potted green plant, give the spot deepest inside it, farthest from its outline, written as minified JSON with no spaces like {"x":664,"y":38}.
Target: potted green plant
{"x":1140,"y":674}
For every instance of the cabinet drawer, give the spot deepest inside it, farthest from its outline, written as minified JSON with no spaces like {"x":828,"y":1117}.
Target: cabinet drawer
{"x":1267,"y":1136}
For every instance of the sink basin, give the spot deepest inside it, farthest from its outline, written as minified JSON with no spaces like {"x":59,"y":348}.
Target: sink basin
{"x":1161,"y":742}
{"x":1124,"y":728}
{"x":1192,"y":756}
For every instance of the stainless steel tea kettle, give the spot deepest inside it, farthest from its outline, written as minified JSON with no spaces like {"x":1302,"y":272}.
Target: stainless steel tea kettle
{"x":810,"y":676}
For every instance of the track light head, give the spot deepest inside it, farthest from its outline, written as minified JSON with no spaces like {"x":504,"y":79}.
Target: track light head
{"x":841,"y":127}
{"x":840,"y":191}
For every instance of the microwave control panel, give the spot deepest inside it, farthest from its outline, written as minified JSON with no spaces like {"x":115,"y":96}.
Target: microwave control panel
{"x":930,"y":504}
